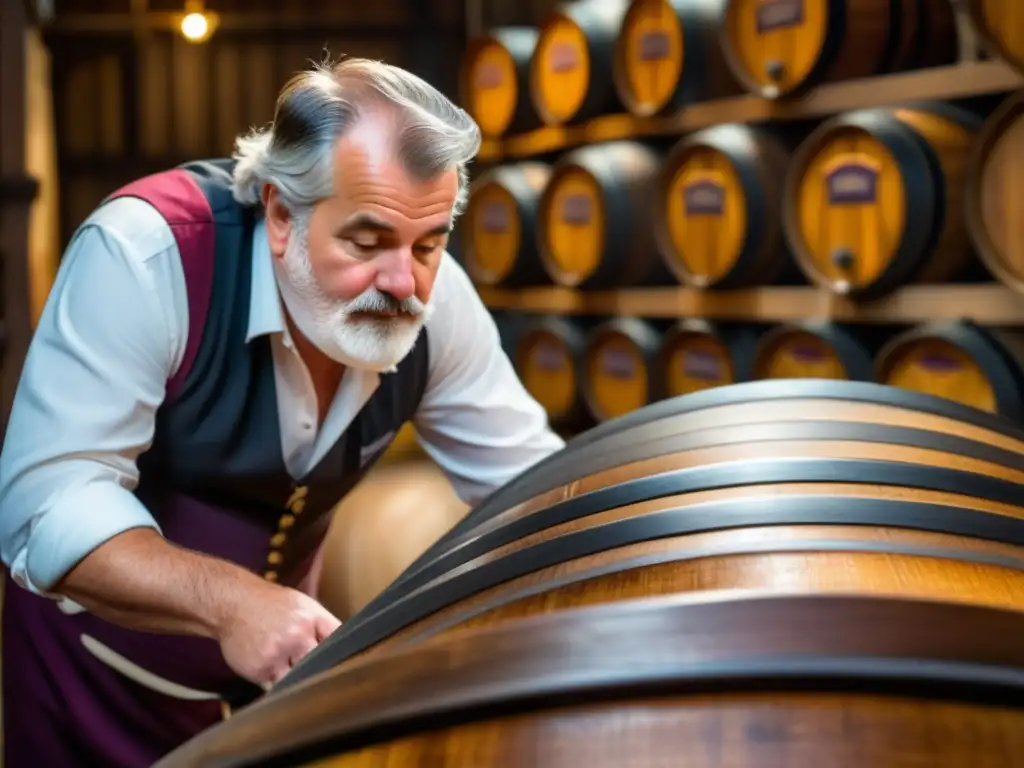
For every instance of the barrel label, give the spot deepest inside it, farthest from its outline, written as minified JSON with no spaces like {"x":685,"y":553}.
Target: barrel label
{"x":938,"y":363}
{"x":704,"y":197}
{"x":489,"y":77}
{"x":563,"y":58}
{"x":779,"y":14}
{"x":852,"y":183}
{"x":807,"y":354}
{"x":703,"y":365}
{"x":654,"y":45}
{"x":549,"y":356}
{"x":618,"y":364}
{"x":494,"y":218}
{"x":576,"y":210}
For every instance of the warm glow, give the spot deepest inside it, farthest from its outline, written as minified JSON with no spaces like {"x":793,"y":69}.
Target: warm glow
{"x":195,"y":27}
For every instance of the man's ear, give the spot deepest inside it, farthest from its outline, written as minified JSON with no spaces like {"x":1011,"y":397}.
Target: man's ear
{"x":278,"y":221}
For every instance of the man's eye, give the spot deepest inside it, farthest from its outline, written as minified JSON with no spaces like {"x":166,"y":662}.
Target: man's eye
{"x":364,"y":244}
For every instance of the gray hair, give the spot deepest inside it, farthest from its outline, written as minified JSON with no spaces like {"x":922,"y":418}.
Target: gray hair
{"x":318,"y":106}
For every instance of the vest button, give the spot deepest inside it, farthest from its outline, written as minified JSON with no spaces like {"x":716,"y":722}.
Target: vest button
{"x":286,"y":522}
{"x":274,"y":558}
{"x":278,"y":539}
{"x":270,"y":575}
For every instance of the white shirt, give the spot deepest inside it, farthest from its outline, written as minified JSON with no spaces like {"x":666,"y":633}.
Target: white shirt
{"x":114,"y":331}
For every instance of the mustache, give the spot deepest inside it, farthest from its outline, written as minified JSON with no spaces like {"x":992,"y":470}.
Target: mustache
{"x":373,"y":301}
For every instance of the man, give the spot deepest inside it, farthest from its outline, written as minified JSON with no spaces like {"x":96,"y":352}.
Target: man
{"x":226,"y":350}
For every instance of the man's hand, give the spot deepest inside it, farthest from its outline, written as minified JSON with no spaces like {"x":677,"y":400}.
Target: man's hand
{"x":269,"y":628}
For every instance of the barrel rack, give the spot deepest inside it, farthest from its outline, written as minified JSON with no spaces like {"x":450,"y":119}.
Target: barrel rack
{"x":987,"y":303}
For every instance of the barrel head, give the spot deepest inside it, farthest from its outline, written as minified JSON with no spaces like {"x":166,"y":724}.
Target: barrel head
{"x":491,"y":87}
{"x":649,"y":57}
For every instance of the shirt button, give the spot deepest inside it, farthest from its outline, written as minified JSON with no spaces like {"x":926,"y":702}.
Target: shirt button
{"x":307,"y":425}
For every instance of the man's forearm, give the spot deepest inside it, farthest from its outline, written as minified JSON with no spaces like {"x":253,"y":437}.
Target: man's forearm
{"x":141,"y":581}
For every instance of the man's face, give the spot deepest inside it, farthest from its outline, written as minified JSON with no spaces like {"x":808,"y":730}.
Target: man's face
{"x":356,"y":275}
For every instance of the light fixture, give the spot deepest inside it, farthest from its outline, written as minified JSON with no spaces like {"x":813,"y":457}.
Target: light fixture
{"x":197,"y":25}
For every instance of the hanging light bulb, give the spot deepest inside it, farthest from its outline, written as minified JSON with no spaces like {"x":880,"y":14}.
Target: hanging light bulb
{"x":197,"y":25}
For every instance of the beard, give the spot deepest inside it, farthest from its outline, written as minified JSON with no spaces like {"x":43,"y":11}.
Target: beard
{"x":353,"y":332}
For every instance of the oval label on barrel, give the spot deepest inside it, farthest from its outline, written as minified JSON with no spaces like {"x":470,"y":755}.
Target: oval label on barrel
{"x":563,"y":58}
{"x":618,"y":363}
{"x":494,"y":218}
{"x":701,"y":364}
{"x":576,"y":210}
{"x":549,"y":357}
{"x":654,"y":45}
{"x":779,"y":14}
{"x":489,"y":76}
{"x":938,"y":363}
{"x":704,"y":198}
{"x":852,"y":182}
{"x":807,"y":354}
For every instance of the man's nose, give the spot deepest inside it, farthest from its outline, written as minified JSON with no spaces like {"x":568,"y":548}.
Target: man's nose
{"x":394,"y":274}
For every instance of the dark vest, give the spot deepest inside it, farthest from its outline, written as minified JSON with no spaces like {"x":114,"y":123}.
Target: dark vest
{"x":214,"y":477}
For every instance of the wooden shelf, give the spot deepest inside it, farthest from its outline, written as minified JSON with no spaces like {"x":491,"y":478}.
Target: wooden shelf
{"x":987,"y":303}
{"x":941,"y":83}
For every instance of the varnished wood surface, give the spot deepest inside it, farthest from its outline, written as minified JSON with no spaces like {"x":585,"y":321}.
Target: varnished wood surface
{"x":615,"y":657}
{"x":940,"y":83}
{"x":986,"y":303}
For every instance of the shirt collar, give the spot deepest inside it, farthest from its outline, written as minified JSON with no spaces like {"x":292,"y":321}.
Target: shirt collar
{"x":266,"y":315}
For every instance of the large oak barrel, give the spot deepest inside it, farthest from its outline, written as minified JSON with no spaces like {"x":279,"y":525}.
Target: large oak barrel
{"x":874,"y":199}
{"x":812,"y":350}
{"x":791,"y":457}
{"x":593,"y":229}
{"x":501,"y":216}
{"x":785,"y":47}
{"x":571,"y":77}
{"x":549,"y":358}
{"x":621,"y":358}
{"x":838,"y":495}
{"x":718,"y":220}
{"x":1001,"y":24}
{"x":995,"y":191}
{"x":667,"y":56}
{"x":979,"y":367}
{"x":697,"y":355}
{"x":495,"y":80}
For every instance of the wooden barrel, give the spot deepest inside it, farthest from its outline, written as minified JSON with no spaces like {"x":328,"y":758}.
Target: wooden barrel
{"x":571,"y":77}
{"x":961,"y":361}
{"x":745,"y":681}
{"x":874,"y":199}
{"x":812,"y":351}
{"x":501,"y":216}
{"x":785,"y":47}
{"x":995,"y":192}
{"x":593,"y":229}
{"x":718,"y":222}
{"x":549,"y":359}
{"x":667,"y":56}
{"x":495,"y":81}
{"x":620,"y":358}
{"x":697,"y":355}
{"x":1001,"y":25}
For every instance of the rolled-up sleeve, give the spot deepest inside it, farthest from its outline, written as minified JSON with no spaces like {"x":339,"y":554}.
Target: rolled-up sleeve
{"x":476,"y":420}
{"x":108,"y":339}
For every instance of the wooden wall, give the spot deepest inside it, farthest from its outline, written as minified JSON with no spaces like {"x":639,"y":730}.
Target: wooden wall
{"x":132,"y":96}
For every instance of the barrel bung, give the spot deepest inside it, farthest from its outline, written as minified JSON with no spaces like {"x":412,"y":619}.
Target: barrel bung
{"x":496,"y":81}
{"x":874,"y":199}
{"x":995,"y":192}
{"x":548,"y":357}
{"x":667,"y":55}
{"x":837,"y":564}
{"x":785,"y":47}
{"x":1001,"y":24}
{"x":812,"y":351}
{"x":979,"y":367}
{"x":594,"y":214}
{"x":718,"y":222}
{"x":571,"y":76}
{"x":501,"y":216}
{"x":620,"y":357}
{"x":697,"y":355}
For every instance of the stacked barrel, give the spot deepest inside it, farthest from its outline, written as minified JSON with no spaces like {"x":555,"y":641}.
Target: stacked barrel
{"x":838,"y":565}
{"x":858,"y":205}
